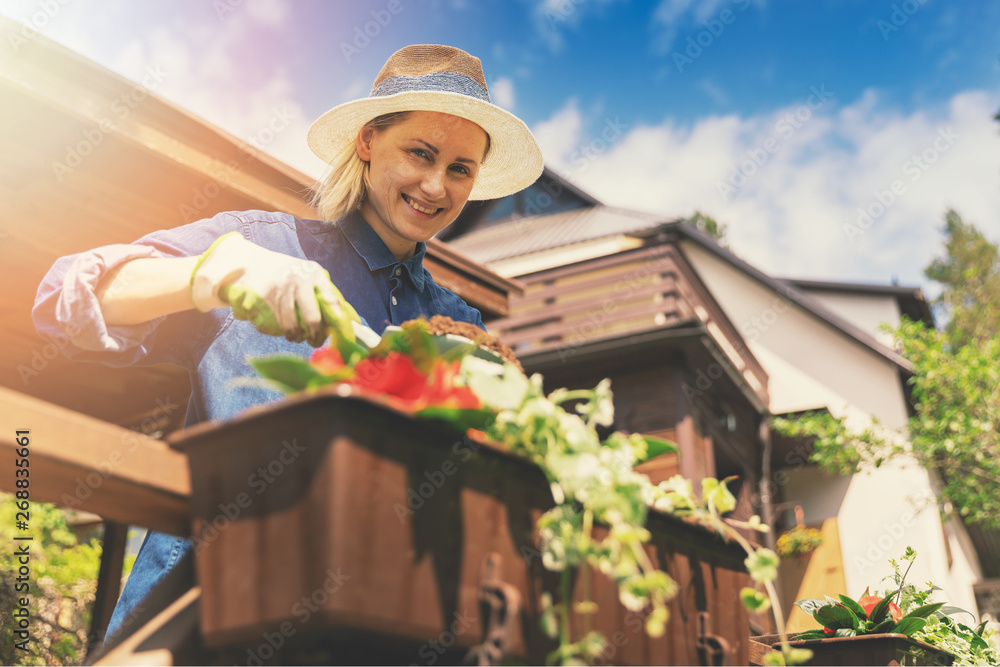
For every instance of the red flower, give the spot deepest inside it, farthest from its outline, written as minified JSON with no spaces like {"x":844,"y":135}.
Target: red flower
{"x":443,"y":390}
{"x":396,"y":377}
{"x":326,"y":360}
{"x":393,"y":375}
{"x":869,"y":602}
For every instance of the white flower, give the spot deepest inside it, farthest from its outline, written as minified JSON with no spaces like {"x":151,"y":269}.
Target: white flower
{"x":604,"y":411}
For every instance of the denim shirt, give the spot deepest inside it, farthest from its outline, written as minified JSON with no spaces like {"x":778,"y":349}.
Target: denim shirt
{"x":215,"y":346}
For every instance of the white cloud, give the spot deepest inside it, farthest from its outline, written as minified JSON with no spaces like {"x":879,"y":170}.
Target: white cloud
{"x":714,"y":93}
{"x":552,"y":17}
{"x":211,"y":68}
{"x":670,"y":16}
{"x":205,"y":75}
{"x":558,"y":136}
{"x":502,"y":92}
{"x":268,"y":12}
{"x":797,"y":178}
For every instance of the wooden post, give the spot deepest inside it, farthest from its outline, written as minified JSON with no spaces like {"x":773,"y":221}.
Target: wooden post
{"x":109,"y":580}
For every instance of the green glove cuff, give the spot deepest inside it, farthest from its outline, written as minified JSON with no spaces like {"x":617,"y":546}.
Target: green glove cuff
{"x":248,"y":305}
{"x":201,"y":260}
{"x":340,"y":326}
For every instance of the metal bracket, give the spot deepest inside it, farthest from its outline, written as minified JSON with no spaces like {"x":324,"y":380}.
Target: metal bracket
{"x":712,"y":649}
{"x":499,"y":602}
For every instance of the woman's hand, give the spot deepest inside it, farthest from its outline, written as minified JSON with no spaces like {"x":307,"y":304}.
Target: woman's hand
{"x":278,"y":294}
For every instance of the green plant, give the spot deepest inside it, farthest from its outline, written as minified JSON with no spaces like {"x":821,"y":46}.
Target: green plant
{"x":799,"y":541}
{"x":969,"y":645}
{"x":955,"y":431}
{"x":593,"y":481}
{"x":903,"y":609}
{"x":61,"y":586}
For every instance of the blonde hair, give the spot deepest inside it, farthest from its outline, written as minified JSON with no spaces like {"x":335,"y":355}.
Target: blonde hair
{"x":346,"y":185}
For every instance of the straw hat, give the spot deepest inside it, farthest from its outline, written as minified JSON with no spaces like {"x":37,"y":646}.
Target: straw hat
{"x":431,"y":77}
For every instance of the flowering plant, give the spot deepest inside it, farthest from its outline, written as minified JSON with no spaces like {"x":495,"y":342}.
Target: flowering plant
{"x":903,"y":609}
{"x":405,"y":369}
{"x":868,"y":615}
{"x":592,"y":480}
{"x":799,"y":541}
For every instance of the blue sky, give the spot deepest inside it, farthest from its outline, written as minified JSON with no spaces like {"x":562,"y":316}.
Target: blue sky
{"x":830,"y":136}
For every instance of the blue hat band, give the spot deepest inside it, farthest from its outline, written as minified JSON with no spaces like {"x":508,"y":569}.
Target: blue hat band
{"x":444,"y":82}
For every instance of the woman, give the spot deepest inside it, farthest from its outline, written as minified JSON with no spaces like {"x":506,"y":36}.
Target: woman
{"x":204,"y":296}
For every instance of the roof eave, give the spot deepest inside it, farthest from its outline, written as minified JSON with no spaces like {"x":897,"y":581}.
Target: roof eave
{"x":800,"y":299}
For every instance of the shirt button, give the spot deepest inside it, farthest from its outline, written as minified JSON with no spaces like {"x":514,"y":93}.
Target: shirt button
{"x":394,"y":301}
{"x":399,"y":271}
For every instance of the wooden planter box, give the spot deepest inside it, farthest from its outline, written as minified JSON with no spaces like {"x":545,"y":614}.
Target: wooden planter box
{"x":333,"y":529}
{"x":880,"y":649}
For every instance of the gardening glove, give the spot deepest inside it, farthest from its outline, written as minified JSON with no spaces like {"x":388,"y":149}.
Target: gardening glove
{"x":278,"y":294}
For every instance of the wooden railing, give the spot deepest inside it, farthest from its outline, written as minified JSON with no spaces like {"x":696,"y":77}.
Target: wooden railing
{"x":78,"y":462}
{"x":627,"y":291}
{"x":83,"y":463}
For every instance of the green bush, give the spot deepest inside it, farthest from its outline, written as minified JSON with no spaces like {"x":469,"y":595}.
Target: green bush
{"x":61,"y":587}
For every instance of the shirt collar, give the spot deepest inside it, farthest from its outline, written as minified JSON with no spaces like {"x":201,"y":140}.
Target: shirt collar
{"x":373,"y":250}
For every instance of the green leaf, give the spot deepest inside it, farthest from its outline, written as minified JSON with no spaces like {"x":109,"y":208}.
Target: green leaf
{"x":846,"y":632}
{"x":718,"y":497}
{"x":797,"y":656}
{"x":762,"y":565}
{"x":656,"y":622}
{"x":885,"y":626}
{"x":811,"y":634}
{"x":291,"y":374}
{"x":836,"y":616}
{"x":415,"y":341}
{"x":773,"y":659}
{"x":754,"y":601}
{"x":924,"y":611}
{"x":907,"y":626}
{"x":810,"y":605}
{"x":461,"y":419}
{"x":657,"y":447}
{"x":857,"y":609}
{"x":881,"y":610}
{"x":949,"y":610}
{"x":549,"y":618}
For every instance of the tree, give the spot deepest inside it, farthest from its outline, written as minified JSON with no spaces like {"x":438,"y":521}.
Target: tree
{"x":970,"y":275}
{"x":955,"y":432}
{"x":708,"y":225}
{"x":61,"y":584}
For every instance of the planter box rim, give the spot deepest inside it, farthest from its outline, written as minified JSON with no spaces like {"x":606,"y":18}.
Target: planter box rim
{"x":187,"y":438}
{"x":832,"y":642}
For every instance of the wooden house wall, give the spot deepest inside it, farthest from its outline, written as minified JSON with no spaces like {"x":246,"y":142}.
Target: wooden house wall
{"x":674,"y":389}
{"x":604,"y":297}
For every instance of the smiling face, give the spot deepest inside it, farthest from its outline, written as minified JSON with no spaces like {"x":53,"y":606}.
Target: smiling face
{"x":422,"y":171}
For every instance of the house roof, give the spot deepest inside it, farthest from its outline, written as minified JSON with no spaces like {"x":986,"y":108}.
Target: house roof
{"x":525,"y":236}
{"x":911,"y":300}
{"x":790,"y":292}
